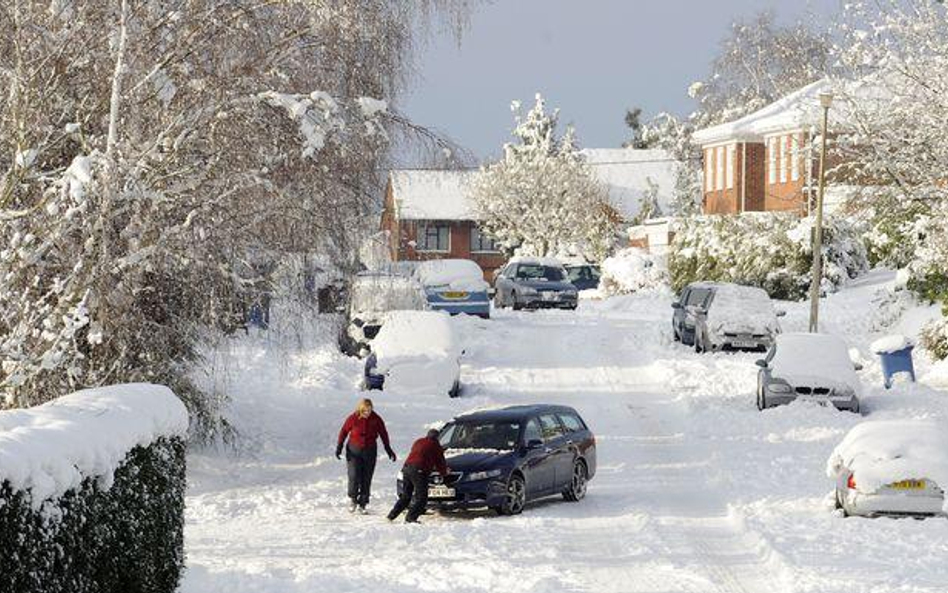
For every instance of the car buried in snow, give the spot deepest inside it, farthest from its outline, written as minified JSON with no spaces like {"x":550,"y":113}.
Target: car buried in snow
{"x":813,"y":367}
{"x":505,"y":458}
{"x":713,"y":316}
{"x":891,"y":468}
{"x":534,"y":283}
{"x":415,"y":352}
{"x":454,"y":285}
{"x":371,"y":296}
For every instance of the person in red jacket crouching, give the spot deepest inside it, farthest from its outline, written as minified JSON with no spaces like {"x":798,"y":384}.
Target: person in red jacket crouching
{"x":363,"y":428}
{"x":426,"y":456}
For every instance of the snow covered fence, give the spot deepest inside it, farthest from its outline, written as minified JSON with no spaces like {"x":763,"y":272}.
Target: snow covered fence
{"x":770,"y":250}
{"x":92,"y":492}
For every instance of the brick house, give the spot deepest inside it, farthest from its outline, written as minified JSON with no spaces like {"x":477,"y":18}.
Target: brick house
{"x":767,"y":160}
{"x":428,"y":214}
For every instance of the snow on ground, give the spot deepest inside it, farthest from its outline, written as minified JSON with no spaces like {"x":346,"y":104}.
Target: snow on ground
{"x":696,"y":491}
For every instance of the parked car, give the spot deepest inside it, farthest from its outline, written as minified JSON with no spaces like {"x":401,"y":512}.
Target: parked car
{"x":815,"y":367}
{"x":534,"y":283}
{"x":583,"y":276}
{"x":504,"y":458}
{"x":415,"y":352}
{"x":454,"y":285}
{"x":715,"y":316}
{"x":891,"y":467}
{"x":371,"y":296}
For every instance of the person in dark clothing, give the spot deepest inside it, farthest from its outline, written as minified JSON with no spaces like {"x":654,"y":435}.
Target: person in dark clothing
{"x":363,"y":428}
{"x":426,"y":456}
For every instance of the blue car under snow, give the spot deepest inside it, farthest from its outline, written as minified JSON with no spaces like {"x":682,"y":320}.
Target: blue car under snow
{"x":455,"y":286}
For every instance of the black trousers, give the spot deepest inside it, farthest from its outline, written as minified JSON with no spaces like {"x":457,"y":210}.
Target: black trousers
{"x":361,"y":466}
{"x":414,"y":494}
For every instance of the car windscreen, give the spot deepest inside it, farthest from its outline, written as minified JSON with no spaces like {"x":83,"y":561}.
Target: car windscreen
{"x":539,"y":272}
{"x":481,"y":435}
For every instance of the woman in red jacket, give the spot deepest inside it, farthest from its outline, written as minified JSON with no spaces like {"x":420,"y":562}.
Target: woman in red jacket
{"x":363,"y":428}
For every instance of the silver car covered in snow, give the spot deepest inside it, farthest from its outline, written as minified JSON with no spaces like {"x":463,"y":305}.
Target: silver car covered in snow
{"x":891,"y":468}
{"x":815,"y":367}
{"x":715,"y":316}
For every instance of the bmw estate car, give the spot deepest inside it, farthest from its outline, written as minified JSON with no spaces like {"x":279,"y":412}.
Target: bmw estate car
{"x":505,"y":458}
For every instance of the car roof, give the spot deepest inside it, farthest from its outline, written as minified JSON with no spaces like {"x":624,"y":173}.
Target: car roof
{"x":518,"y":412}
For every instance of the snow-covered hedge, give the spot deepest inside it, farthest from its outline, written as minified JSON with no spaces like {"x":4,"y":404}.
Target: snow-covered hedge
{"x":769,"y":250}
{"x":631,"y":270}
{"x":927,"y":275}
{"x":92,"y":492}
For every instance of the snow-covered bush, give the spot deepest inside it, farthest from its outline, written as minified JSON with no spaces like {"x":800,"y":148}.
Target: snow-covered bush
{"x":631,"y":270}
{"x":928,"y":276}
{"x":769,"y":250}
{"x":92,"y":493}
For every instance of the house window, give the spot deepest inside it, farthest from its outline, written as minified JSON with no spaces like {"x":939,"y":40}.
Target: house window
{"x":782,"y":158}
{"x":719,"y":168}
{"x":708,"y":179}
{"x":433,"y":237}
{"x":481,"y":242}
{"x":772,"y":160}
{"x":729,"y":164}
{"x":795,"y":157}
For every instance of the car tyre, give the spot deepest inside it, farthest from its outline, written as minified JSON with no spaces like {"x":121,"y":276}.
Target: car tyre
{"x":516,"y":497}
{"x":498,"y":301}
{"x":576,"y":490}
{"x":516,"y":306}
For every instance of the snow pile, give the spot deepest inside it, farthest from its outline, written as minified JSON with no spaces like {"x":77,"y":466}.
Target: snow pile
{"x":742,"y":309}
{"x":814,"y":359}
{"x":52,"y":448}
{"x":880,"y":452}
{"x":631,"y":270}
{"x":418,"y":351}
{"x":889,"y":344}
{"x":453,"y":274}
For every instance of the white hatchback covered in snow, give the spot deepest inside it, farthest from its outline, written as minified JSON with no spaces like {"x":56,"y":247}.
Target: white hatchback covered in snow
{"x":813,"y":367}
{"x":415,"y":352}
{"x":891,"y":467}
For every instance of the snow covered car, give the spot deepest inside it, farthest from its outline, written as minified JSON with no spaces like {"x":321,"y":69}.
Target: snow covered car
{"x":371,"y":296}
{"x":815,"y":367}
{"x":415,"y":352}
{"x":454,"y":285}
{"x":503,"y":458}
{"x":583,"y":276}
{"x":891,"y":467}
{"x":534,"y":283}
{"x":715,"y":316}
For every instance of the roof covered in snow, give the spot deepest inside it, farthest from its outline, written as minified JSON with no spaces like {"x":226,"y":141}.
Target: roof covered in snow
{"x":625,"y":172}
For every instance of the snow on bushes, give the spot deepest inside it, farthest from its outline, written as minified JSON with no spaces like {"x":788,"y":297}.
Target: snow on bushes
{"x":927,"y":276}
{"x":92,"y":492}
{"x":766,"y":249}
{"x":631,"y":270}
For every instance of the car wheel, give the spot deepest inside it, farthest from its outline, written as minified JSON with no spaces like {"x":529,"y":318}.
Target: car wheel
{"x":516,"y":496}
{"x":516,"y":306}
{"x":577,"y":486}
{"x":498,"y":301}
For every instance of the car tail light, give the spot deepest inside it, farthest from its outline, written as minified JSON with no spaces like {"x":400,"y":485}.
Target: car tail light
{"x":851,"y":482}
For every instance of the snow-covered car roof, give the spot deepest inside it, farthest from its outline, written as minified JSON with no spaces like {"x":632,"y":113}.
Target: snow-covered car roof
{"x":823,"y":358}
{"x":418,"y":351}
{"x":457,"y":274}
{"x":742,"y":309}
{"x":880,"y":452}
{"x":379,"y":292}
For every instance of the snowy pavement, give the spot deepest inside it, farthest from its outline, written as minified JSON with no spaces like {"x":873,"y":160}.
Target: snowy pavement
{"x":696,"y":491}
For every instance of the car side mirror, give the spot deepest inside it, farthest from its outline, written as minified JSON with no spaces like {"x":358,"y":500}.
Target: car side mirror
{"x":676,"y":305}
{"x":781,"y":313}
{"x":761,"y":363}
{"x":534,"y":444}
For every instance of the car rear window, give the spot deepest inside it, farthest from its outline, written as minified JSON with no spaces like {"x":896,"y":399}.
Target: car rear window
{"x":572,"y":422}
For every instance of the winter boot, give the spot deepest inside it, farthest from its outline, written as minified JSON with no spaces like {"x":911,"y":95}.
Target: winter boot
{"x":352,"y":507}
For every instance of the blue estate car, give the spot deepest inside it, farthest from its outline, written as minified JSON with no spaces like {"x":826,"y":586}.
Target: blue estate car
{"x":454,"y":285}
{"x":504,"y":458}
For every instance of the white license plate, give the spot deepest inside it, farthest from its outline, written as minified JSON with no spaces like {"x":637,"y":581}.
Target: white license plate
{"x":549,"y":296}
{"x":440,"y":492}
{"x":744,"y":344}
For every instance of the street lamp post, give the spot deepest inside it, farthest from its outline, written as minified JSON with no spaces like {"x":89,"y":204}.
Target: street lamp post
{"x":826,"y":99}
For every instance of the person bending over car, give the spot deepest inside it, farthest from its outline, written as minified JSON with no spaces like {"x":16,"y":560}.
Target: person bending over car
{"x":426,"y":456}
{"x":363,"y":428}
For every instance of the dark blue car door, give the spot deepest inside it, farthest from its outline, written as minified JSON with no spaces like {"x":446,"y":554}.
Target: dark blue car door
{"x":558,"y":450}
{"x":537,"y":467}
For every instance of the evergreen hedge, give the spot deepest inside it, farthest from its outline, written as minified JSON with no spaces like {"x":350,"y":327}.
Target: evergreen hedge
{"x":124,"y":538}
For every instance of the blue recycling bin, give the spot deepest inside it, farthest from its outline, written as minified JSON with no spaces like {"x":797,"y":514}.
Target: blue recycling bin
{"x":899,"y":361}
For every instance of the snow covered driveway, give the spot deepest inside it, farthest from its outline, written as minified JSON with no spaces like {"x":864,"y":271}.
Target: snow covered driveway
{"x":696,"y":490}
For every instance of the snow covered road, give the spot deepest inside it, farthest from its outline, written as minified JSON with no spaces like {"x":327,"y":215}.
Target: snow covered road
{"x":696,"y":490}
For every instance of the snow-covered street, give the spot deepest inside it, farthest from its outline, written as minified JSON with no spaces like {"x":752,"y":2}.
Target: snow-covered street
{"x":696,"y":489}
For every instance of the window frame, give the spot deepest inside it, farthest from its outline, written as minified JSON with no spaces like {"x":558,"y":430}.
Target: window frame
{"x":729,"y":166}
{"x":719,"y":168}
{"x":795,"y":157}
{"x":477,"y":241}
{"x":422,"y":234}
{"x":782,"y":157}
{"x":772,"y":160}
{"x":708,"y":170}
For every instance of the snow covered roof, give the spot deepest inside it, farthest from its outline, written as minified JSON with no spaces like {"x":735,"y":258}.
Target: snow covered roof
{"x":799,"y":109}
{"x":626,"y":173}
{"x":432,"y":194}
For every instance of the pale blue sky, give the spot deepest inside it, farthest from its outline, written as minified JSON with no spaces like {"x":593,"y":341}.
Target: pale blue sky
{"x":591,"y":58}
